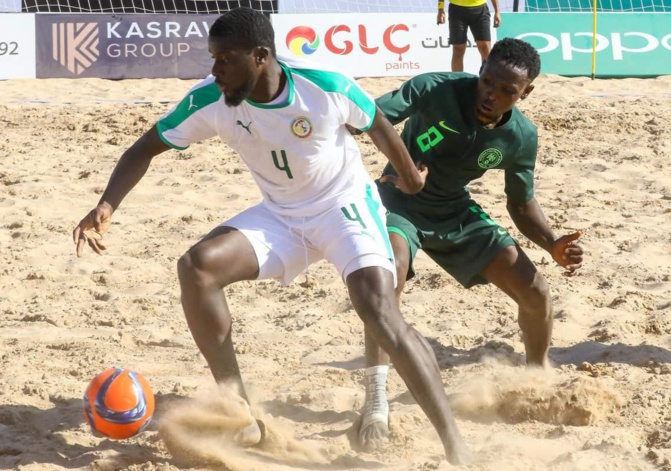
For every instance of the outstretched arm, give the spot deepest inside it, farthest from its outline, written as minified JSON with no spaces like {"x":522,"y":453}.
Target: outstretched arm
{"x":132,"y":166}
{"x":530,"y":220}
{"x":410,"y":179}
{"x":128,"y":172}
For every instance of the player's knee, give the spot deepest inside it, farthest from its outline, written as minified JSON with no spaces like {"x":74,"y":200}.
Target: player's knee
{"x":193,"y":268}
{"x":538,"y":298}
{"x":484,"y":48}
{"x":458,"y":51}
{"x":401,"y":260}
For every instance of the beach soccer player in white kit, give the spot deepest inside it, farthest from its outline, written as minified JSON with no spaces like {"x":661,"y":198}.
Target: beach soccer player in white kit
{"x":287,"y":121}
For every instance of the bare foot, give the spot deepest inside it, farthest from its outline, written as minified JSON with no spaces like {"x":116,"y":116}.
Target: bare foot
{"x":459,"y":454}
{"x":251,"y":435}
{"x":372,"y":431}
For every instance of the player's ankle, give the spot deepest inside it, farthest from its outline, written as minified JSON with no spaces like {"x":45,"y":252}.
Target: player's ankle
{"x":376,"y":407}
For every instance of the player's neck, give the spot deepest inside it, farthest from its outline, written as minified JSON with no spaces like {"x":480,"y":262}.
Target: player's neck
{"x":270,"y":84}
{"x":494,"y":123}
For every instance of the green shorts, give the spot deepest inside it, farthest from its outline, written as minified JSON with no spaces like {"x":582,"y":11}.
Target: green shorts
{"x":463,"y":244}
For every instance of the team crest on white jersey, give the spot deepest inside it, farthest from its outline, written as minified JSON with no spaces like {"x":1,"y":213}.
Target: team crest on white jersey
{"x":301,"y":127}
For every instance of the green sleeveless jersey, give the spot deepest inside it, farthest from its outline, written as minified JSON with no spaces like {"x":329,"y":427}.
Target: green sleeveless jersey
{"x":444,"y":134}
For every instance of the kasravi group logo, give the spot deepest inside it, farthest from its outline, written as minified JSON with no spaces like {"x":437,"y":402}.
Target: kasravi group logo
{"x":302,"y":40}
{"x":75,"y":45}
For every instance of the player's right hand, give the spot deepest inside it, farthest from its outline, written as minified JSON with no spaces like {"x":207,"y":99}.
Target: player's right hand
{"x":90,"y":230}
{"x":441,"y":17}
{"x":567,"y":252}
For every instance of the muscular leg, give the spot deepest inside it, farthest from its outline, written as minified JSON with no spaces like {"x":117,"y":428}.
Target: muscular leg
{"x":375,"y":420}
{"x":458,"y":52}
{"x":223,"y":257}
{"x":372,"y":293}
{"x":513,"y":272}
{"x":374,"y":354}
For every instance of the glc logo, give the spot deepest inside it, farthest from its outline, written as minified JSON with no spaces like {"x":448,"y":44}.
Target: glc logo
{"x":302,"y":40}
{"x":75,"y":45}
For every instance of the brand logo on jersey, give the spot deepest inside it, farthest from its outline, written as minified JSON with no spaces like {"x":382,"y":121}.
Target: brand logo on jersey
{"x":75,"y":45}
{"x":490,"y":158}
{"x":241,"y":124}
{"x":301,"y":127}
{"x":191,"y":104}
{"x":302,"y":40}
{"x":445,"y":126}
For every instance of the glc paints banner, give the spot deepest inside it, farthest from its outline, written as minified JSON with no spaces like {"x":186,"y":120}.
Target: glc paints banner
{"x":372,"y":45}
{"x":627,"y":44}
{"x":17,"y":46}
{"x":123,"y":46}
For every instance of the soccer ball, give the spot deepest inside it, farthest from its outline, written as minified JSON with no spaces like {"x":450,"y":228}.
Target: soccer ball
{"x":118,"y":403}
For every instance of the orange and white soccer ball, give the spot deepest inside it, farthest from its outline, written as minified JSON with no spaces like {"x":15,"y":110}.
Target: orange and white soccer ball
{"x":118,"y":403}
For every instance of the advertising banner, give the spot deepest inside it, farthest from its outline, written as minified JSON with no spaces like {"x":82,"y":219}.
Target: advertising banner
{"x":397,"y":6}
{"x":134,"y":6}
{"x":17,"y":46}
{"x":372,"y":45}
{"x":123,"y":46}
{"x":10,"y":6}
{"x":627,"y":44}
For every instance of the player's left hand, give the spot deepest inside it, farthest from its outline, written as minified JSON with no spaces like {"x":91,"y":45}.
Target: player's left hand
{"x":567,"y":253}
{"x":402,"y":185}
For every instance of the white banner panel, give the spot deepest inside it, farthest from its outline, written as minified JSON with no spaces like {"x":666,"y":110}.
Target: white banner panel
{"x":372,"y":45}
{"x":10,"y":6}
{"x":17,"y":45}
{"x":379,"y":6}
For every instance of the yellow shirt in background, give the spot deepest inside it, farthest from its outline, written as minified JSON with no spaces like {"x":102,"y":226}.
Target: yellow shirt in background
{"x":468,"y":3}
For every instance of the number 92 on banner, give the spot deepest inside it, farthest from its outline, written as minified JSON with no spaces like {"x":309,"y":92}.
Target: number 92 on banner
{"x":17,"y":45}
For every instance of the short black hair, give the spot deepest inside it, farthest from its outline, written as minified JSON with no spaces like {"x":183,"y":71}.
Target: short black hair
{"x":518,"y":53}
{"x":247,"y":27}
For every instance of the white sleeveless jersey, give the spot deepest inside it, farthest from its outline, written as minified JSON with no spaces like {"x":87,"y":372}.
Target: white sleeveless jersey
{"x":299,"y":152}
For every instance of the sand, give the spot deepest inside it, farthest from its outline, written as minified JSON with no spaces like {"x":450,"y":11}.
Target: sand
{"x":605,"y":404}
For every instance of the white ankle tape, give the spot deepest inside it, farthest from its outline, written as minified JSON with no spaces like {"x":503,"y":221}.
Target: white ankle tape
{"x":379,"y":369}
{"x":376,"y":407}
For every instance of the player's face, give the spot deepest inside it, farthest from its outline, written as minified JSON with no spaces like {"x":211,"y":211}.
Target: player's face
{"x":499,"y":87}
{"x":235,"y":69}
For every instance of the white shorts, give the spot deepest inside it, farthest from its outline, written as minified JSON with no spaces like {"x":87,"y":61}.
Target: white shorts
{"x":351,"y":237}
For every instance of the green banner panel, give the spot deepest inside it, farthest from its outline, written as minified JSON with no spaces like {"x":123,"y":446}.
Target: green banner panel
{"x":628,"y":44}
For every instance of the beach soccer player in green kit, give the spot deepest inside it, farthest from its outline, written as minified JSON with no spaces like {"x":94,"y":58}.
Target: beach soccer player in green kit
{"x":460,"y":126}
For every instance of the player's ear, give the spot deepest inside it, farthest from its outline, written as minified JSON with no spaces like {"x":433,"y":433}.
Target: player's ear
{"x":261,"y":54}
{"x":528,"y":90}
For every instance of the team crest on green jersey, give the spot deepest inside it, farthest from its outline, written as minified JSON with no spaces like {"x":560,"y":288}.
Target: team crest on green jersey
{"x":490,"y":158}
{"x":301,"y":127}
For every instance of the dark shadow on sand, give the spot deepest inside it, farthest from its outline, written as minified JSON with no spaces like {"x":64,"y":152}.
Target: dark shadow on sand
{"x":449,"y":356}
{"x":29,"y":435}
{"x":595,"y":352}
